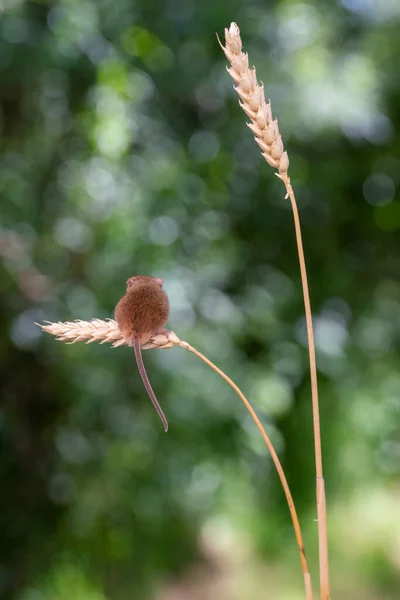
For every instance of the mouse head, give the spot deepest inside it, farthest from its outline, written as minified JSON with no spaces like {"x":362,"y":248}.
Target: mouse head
{"x":142,"y":279}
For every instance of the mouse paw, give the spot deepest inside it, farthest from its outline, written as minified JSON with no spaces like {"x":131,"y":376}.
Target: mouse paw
{"x":161,"y":331}
{"x":162,"y":338}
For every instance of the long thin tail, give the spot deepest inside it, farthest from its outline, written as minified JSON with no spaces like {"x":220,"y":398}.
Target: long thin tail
{"x":145,"y":379}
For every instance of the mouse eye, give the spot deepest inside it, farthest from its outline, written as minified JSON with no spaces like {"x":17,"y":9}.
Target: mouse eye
{"x":160,"y":281}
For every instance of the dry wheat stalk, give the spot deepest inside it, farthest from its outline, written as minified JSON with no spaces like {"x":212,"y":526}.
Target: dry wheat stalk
{"x":267,"y":136}
{"x":107,"y":331}
{"x":252,"y":100}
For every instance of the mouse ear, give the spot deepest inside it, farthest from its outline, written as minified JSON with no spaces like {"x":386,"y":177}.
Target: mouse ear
{"x":160,"y":281}
{"x":131,"y":281}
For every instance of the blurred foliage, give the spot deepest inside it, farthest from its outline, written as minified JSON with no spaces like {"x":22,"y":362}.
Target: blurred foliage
{"x":124,"y":152}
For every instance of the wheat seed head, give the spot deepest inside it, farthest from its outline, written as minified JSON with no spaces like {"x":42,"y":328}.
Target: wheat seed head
{"x":103,"y":332}
{"x":252,"y":101}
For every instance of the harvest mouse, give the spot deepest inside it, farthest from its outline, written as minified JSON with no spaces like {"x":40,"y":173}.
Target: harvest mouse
{"x":140,"y":314}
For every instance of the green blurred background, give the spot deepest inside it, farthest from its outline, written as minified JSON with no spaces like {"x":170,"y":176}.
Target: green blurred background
{"x":124,"y":151}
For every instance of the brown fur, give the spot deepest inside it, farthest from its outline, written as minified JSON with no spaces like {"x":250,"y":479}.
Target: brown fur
{"x":140,"y":314}
{"x":143,"y":310}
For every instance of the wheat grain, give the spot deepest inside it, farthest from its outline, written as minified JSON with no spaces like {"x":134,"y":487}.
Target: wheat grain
{"x":252,"y":100}
{"x":103,"y":332}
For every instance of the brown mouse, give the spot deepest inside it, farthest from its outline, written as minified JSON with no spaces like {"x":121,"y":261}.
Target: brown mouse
{"x":140,"y":314}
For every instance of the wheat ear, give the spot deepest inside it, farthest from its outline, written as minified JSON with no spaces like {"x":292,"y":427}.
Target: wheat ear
{"x":107,"y":331}
{"x":103,"y":332}
{"x":267,"y":136}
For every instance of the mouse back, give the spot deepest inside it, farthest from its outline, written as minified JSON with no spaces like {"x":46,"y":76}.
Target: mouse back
{"x":143,"y":309}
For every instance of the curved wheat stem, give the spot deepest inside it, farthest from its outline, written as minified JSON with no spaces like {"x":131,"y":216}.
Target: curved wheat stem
{"x":107,"y":331}
{"x":277,"y":463}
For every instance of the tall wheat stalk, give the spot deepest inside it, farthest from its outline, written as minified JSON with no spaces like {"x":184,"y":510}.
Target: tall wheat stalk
{"x":267,"y":136}
{"x":108,"y":332}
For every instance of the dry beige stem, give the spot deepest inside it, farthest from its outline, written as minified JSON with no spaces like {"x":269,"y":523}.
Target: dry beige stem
{"x":252,"y":100}
{"x":107,"y":331}
{"x":267,"y":136}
